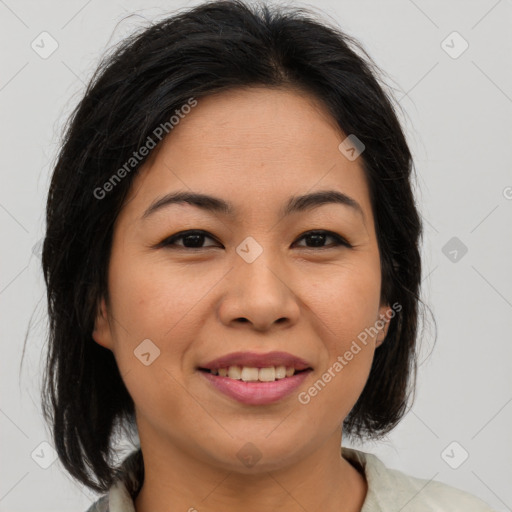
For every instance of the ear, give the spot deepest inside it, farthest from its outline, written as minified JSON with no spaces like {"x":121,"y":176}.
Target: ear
{"x":382,"y":323}
{"x":101,"y":333}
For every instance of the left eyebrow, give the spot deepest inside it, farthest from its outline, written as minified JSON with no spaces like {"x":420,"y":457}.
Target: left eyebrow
{"x":217,"y":205}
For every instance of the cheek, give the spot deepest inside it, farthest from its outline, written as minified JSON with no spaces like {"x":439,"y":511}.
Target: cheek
{"x":153,"y":298}
{"x":153,"y":316}
{"x":346,"y":298}
{"x":346,"y":305}
{"x":161,"y":303}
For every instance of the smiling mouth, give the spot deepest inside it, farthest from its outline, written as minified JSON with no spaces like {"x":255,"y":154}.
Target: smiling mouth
{"x":254,"y":374}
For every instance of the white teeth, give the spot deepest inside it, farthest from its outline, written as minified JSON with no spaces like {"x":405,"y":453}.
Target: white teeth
{"x":252,"y":374}
{"x":280,"y":372}
{"x":267,"y":374}
{"x":249,"y":374}
{"x":235,"y":372}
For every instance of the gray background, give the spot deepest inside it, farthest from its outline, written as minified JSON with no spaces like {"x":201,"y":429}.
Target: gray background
{"x":457,"y":114}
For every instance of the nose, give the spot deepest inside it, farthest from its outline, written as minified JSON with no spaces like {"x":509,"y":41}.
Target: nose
{"x":259,"y":294}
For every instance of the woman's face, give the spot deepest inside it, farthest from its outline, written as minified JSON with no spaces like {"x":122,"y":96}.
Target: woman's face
{"x":252,"y":282}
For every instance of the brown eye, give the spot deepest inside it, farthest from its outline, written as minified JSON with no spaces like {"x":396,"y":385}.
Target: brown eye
{"x":192,"y":239}
{"x":319,"y":237}
{"x":195,"y":239}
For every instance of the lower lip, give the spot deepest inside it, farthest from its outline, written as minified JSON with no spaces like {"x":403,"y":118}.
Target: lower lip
{"x":256,"y":393}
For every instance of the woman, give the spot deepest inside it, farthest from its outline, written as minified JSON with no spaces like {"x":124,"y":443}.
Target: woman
{"x":232,"y":262}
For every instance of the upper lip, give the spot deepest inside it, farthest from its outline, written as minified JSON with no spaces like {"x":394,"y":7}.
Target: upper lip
{"x":255,"y":360}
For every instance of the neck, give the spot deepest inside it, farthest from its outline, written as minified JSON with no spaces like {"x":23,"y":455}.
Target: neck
{"x":176,"y":481}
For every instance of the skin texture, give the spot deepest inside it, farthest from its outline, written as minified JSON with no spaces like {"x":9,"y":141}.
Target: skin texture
{"x":255,"y":147}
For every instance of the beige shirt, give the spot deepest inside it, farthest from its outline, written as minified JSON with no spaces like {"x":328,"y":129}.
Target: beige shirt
{"x":389,"y":490}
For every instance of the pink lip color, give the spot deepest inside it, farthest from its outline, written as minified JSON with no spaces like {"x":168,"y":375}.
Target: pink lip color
{"x":253,"y":359}
{"x":257,"y":393}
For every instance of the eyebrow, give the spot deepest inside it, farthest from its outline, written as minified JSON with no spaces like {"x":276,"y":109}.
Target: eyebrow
{"x":213,"y":204}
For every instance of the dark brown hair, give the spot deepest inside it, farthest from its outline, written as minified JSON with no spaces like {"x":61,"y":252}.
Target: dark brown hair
{"x":210,"y":48}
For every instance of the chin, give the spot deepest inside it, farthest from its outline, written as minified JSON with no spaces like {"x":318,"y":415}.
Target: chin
{"x":258,"y":453}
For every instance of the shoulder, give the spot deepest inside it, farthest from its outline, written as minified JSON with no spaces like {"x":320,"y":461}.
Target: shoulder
{"x":390,"y":490}
{"x":117,"y":499}
{"x":101,"y":505}
{"x":121,"y":494}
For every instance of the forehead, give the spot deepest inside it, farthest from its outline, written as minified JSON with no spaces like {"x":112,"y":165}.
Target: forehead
{"x":252,"y":146}
{"x":270,"y":124}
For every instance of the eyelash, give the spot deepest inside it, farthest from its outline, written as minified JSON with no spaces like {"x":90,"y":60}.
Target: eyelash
{"x":169,"y":242}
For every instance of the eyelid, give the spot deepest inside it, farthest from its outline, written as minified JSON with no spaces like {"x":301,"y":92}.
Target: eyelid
{"x":182,"y":234}
{"x":341,"y":241}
